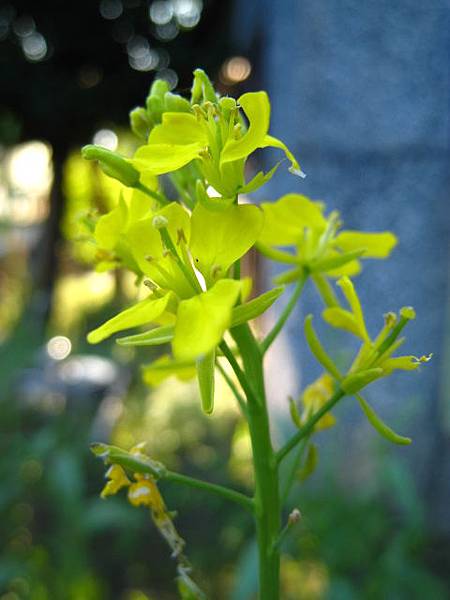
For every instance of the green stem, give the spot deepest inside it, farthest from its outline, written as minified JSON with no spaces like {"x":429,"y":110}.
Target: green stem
{"x":309,"y":426}
{"x":271,"y":336}
{"x":267,"y":500}
{"x":155,"y":195}
{"x":218,"y":490}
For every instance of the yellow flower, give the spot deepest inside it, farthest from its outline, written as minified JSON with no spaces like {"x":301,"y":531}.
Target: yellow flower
{"x":117,"y":480}
{"x":314,"y":397}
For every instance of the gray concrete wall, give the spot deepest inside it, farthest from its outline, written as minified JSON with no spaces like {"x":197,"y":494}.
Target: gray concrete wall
{"x":360,"y":92}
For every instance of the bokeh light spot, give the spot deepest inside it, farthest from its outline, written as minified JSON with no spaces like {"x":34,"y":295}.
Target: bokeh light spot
{"x":235,"y":69}
{"x":59,"y":347}
{"x":161,"y":12}
{"x":34,"y":47}
{"x":111,"y":9}
{"x":106,"y":138}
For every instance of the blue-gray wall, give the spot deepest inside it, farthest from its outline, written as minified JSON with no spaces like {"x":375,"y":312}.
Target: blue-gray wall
{"x":360,"y":92}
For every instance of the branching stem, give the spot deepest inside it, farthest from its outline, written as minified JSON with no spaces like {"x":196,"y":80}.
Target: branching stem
{"x":271,"y":336}
{"x":309,"y":426}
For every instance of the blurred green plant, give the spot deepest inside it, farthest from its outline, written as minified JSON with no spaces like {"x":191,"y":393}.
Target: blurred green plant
{"x":186,"y":254}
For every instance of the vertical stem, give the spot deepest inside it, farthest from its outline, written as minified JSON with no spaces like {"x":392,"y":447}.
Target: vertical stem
{"x":267,"y":500}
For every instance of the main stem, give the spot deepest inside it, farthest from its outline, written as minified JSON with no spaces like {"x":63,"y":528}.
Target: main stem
{"x":267,"y":498}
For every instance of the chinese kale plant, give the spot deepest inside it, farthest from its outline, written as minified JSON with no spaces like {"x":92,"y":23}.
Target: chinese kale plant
{"x":187,"y":251}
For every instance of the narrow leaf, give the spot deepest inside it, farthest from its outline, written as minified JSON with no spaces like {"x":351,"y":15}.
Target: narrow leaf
{"x":253,"y":308}
{"x":154,"y":337}
{"x":318,"y":350}
{"x":383,"y":429}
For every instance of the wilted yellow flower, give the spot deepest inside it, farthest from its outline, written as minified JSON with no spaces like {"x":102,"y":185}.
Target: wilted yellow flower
{"x":117,"y":480}
{"x":314,"y":397}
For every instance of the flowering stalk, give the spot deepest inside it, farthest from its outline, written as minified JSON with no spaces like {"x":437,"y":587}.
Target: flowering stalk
{"x":187,"y":254}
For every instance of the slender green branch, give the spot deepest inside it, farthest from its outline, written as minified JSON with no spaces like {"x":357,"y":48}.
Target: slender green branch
{"x":140,"y":463}
{"x":270,"y":338}
{"x":213,"y":488}
{"x":155,"y":195}
{"x":309,"y":426}
{"x":233,"y":388}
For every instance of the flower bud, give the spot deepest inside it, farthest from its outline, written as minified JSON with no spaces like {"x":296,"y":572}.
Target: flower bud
{"x":202,"y":88}
{"x":112,"y":164}
{"x":159,"y":222}
{"x":155,"y":108}
{"x":140,"y":123}
{"x":159,"y":88}
{"x":176,"y":103}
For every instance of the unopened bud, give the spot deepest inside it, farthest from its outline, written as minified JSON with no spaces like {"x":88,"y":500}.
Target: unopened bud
{"x":159,"y":222}
{"x":159,"y":88}
{"x":140,"y":123}
{"x":112,"y":164}
{"x":176,"y":103}
{"x":155,"y":108}
{"x":294,"y":517}
{"x":390,"y":319}
{"x":407,"y":312}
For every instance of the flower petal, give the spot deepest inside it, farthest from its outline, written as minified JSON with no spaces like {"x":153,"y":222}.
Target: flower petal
{"x":256,"y":106}
{"x":158,"y":159}
{"x":143,"y":312}
{"x":286,"y":218}
{"x":203,"y":319}
{"x":218,"y":239}
{"x":376,"y":245}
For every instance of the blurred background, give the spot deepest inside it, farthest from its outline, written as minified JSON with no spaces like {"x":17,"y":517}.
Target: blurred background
{"x":360,"y":92}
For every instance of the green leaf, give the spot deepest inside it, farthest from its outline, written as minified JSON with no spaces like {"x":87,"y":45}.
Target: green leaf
{"x":158,"y":159}
{"x":256,"y":106}
{"x":205,"y":377}
{"x":273,"y":142}
{"x":357,"y":381}
{"x":112,"y":164}
{"x":383,"y":429}
{"x":258,"y":180}
{"x":286,"y":219}
{"x":219,"y":239}
{"x":376,"y":245}
{"x":252,"y":309}
{"x":334,"y":261}
{"x":295,"y":416}
{"x":164,"y":367}
{"x":203,"y":319}
{"x":154,"y":337}
{"x":318,"y":350}
{"x":310,"y":464}
{"x":143,"y":312}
